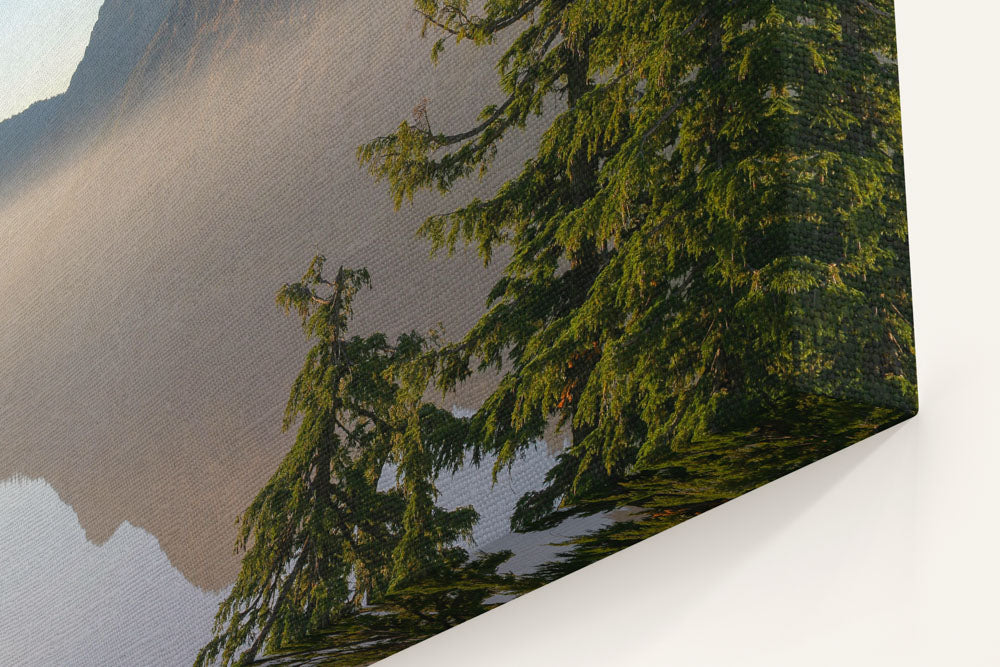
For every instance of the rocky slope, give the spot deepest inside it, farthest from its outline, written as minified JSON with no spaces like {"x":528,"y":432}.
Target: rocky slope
{"x":195,"y":33}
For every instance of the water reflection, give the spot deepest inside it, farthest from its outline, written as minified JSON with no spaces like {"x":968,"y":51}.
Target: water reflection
{"x":67,"y":601}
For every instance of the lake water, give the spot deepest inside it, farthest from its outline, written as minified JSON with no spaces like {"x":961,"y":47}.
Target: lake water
{"x":67,"y":601}
{"x":134,"y":607}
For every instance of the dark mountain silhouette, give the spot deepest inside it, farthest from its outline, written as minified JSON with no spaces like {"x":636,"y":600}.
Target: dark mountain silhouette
{"x":49,"y":129}
{"x":137,"y":50}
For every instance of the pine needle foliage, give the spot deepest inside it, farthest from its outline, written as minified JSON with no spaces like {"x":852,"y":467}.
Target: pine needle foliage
{"x":315,"y":539}
{"x":706,"y":287}
{"x":712,"y":229}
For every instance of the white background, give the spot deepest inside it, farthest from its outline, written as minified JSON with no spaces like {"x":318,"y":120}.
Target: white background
{"x":887,"y":553}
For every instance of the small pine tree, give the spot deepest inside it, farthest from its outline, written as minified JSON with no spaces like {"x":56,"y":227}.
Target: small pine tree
{"x":316,"y":537}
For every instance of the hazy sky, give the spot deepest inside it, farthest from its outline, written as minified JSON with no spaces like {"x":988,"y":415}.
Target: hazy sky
{"x":41,"y":43}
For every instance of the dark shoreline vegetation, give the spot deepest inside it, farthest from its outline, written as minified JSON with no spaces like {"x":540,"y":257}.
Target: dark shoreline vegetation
{"x":708,"y":288}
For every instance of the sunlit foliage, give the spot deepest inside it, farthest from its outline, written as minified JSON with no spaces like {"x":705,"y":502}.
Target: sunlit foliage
{"x":706,"y":287}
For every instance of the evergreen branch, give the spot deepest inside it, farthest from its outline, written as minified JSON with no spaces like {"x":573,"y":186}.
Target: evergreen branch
{"x":486,"y":27}
{"x":879,"y":12}
{"x":251,"y":653}
{"x":663,"y":118}
{"x":451,"y":139}
{"x":374,"y":418}
{"x":344,"y":528}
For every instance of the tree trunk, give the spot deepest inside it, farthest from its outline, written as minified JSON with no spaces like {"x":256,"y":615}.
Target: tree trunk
{"x":251,"y":653}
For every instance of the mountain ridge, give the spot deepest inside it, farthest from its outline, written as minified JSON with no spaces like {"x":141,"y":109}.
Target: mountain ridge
{"x":51,"y":128}
{"x":136,"y":49}
{"x":194,"y":32}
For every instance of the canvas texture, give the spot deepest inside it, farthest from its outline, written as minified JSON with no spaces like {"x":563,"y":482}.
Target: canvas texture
{"x":328,"y":326}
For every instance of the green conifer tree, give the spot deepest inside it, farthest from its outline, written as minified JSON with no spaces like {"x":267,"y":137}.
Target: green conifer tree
{"x":712,"y":230}
{"x":317,"y":538}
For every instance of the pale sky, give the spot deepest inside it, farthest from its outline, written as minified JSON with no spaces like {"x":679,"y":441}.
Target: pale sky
{"x":41,"y":43}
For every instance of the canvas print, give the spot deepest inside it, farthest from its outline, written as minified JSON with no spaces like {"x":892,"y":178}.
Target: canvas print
{"x":330,"y":325}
